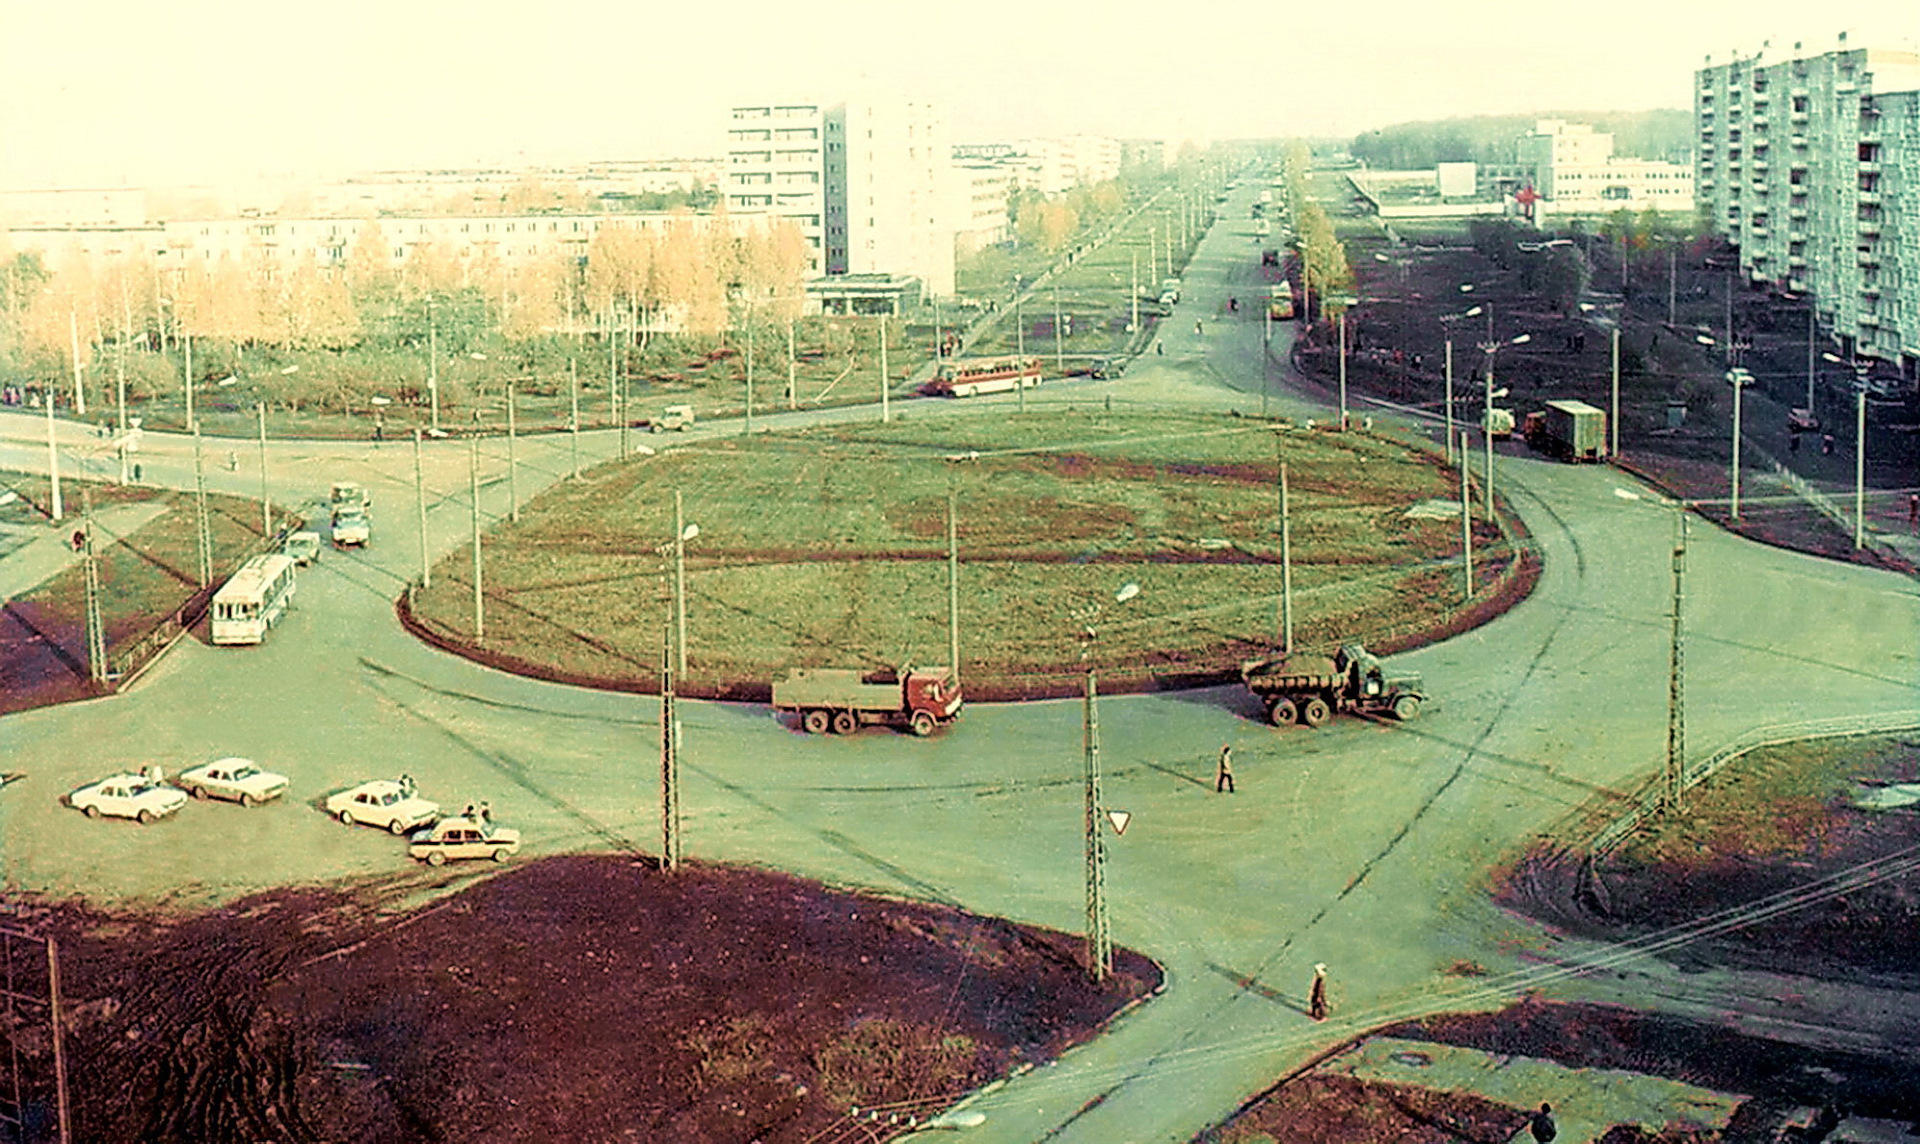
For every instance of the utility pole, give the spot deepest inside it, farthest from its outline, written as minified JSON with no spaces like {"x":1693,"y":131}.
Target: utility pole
{"x":1466,"y":520}
{"x":748,"y":430}
{"x":56,"y":1020}
{"x":473,"y":494}
{"x":1673,"y":275}
{"x":679,"y":583}
{"x":1450,"y":397}
{"x":1613,"y":414}
{"x":1486,"y":435}
{"x":1676,"y":669}
{"x":1059,"y":345}
{"x":53,"y":457}
{"x":1133,"y":276}
{"x":1729,"y":355}
{"x":96,"y":628}
{"x":953,"y":588}
{"x":433,"y":367}
{"x":669,"y":761}
{"x":420,"y":503}
{"x":266,"y":497}
{"x":1099,"y":940}
{"x":1286,"y":563}
{"x":79,"y":390}
{"x":1020,"y":347}
{"x":513,"y":466}
{"x":202,"y":527}
{"x":1859,"y":464}
{"x":613,"y":376}
{"x":186,"y":378}
{"x":120,"y":364}
{"x":1811,"y":334}
{"x":793,"y":396}
{"x":1735,"y":377}
{"x":886,"y":410}
{"x":1342,"y":323}
{"x":573,"y":395}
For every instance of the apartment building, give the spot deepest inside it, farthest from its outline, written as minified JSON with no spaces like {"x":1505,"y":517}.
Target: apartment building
{"x":1575,"y":171}
{"x":866,"y":182}
{"x":981,"y":191}
{"x":1810,"y":164}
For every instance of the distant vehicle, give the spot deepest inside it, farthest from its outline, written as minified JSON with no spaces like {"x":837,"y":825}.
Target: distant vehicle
{"x":1102,"y":367}
{"x":1280,"y":300}
{"x":348,"y":495}
{"x":970,"y":377}
{"x":1497,"y":423}
{"x":1570,"y":430}
{"x":1270,"y":257}
{"x":1308,"y":689}
{"x":351,"y":528}
{"x":462,"y":837}
{"x":673,"y":417}
{"x":302,"y":547}
{"x":840,"y":700}
{"x":250,"y":603}
{"x":233,"y":779}
{"x":1170,"y":286}
{"x":1802,"y":421}
{"x":383,"y":802}
{"x":139,"y":797}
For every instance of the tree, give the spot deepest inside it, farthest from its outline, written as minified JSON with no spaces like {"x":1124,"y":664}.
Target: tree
{"x":369,"y":261}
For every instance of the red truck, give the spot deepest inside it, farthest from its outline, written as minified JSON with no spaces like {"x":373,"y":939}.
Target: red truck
{"x":840,"y":700}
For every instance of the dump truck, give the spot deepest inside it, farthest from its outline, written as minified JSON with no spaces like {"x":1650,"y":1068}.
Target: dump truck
{"x":1308,"y":689}
{"x":1570,"y":430}
{"x":842,"y":700}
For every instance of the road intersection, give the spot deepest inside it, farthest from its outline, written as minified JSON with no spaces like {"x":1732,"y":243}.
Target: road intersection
{"x":1363,"y":845}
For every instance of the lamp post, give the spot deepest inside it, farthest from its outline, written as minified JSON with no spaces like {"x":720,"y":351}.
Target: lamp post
{"x":1859,"y":448}
{"x":1341,"y":302}
{"x":1491,"y":347}
{"x":682,"y":532}
{"x":1739,"y":379}
{"x":433,"y":370}
{"x":1446,"y":323}
{"x":1099,"y":936}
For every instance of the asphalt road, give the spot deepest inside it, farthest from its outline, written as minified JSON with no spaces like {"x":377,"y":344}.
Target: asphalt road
{"x":1363,"y":845}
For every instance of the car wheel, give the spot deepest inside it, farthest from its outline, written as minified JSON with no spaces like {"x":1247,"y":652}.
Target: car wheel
{"x":500,"y":855}
{"x":396,"y":827}
{"x":145,"y":816}
{"x":922,"y":724}
{"x":814,"y":722}
{"x":1406,"y":707}
{"x":844,"y":723}
{"x":436,"y":857}
{"x":91,"y":810}
{"x":1284,"y":713}
{"x":248,"y":800}
{"x":198,"y":792}
{"x":346,"y":818}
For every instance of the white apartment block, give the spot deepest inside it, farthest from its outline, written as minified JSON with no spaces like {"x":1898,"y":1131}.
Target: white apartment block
{"x":979,"y":211}
{"x":867,"y":183}
{"x":1061,"y":163}
{"x":1576,"y":172}
{"x":1810,"y":165}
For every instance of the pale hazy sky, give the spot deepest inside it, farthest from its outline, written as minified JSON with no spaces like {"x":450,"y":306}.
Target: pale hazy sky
{"x":107,"y":92}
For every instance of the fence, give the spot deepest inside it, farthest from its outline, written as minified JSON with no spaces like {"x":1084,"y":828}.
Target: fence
{"x":1652,"y":796}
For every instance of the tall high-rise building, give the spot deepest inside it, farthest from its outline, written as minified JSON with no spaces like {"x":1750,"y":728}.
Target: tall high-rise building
{"x":867,"y":183}
{"x":1810,"y":164}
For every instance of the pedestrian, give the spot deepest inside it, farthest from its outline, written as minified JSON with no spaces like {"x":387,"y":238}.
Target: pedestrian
{"x":1196,"y":326}
{"x":406,"y":785}
{"x":136,"y":472}
{"x":486,"y":813}
{"x":467,"y":813}
{"x":1317,"y":995}
{"x":1223,"y":773}
{"x":1913,"y":510}
{"x":1540,"y":1124}
{"x":1826,"y":444}
{"x":79,"y":540}
{"x":1159,"y":347}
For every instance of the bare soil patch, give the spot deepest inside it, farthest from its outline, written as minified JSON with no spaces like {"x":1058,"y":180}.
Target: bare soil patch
{"x":585,"y":998}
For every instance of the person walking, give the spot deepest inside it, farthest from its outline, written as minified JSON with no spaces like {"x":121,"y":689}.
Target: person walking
{"x":1317,"y":994}
{"x":1541,"y":1125}
{"x":1223,"y":774}
{"x":1913,"y":511}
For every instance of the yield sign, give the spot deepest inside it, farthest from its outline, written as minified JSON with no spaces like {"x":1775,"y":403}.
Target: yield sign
{"x":1119,"y":818}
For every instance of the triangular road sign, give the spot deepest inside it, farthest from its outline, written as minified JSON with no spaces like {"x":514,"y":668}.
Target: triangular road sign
{"x":1119,"y":818}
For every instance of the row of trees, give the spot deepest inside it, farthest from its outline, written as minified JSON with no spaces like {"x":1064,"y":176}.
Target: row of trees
{"x":1049,"y":222}
{"x":1322,"y":255}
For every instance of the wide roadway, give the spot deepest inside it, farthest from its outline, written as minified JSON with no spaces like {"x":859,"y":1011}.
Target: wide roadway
{"x":1362,"y":845}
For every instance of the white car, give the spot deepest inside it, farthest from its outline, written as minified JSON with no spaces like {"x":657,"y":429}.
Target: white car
{"x":383,"y":802}
{"x":236,"y":780}
{"x":463,"y":837}
{"x":304,"y":547}
{"x":128,"y":796}
{"x":351,"y":526}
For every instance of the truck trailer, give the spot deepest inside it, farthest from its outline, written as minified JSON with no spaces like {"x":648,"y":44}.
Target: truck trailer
{"x":1308,"y":689}
{"x":842,"y":700}
{"x":1570,"y":430}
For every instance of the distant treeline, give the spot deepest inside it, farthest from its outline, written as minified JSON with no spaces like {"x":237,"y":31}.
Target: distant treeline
{"x":1663,"y":134}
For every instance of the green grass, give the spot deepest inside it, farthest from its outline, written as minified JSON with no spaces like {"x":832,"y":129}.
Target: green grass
{"x":828,"y":547}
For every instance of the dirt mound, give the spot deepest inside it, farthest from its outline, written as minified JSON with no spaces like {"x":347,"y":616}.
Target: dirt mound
{"x":583,"y":998}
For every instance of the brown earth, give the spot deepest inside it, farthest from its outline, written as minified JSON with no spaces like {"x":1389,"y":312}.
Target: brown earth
{"x":580,"y":998}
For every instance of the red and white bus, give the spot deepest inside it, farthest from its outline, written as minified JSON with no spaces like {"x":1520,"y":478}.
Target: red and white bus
{"x":970,"y":377}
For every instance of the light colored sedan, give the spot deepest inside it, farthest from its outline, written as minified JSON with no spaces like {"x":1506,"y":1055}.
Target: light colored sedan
{"x":138,"y":797}
{"x":383,"y":802}
{"x":463,"y":837}
{"x":234,"y":779}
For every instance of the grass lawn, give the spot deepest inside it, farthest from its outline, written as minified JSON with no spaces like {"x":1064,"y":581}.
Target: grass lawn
{"x":828,"y":547}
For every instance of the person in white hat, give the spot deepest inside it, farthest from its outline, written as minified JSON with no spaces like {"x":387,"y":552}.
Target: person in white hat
{"x":1317,"y":996}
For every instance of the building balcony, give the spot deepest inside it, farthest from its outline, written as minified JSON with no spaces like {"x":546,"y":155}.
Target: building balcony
{"x":1870,"y":198}
{"x":1868,"y":226}
{"x":1869,"y":166}
{"x":1870,"y":289}
{"x":1868,"y":318}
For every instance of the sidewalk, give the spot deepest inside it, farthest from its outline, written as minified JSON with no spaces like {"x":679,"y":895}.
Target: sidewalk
{"x":41,"y":559}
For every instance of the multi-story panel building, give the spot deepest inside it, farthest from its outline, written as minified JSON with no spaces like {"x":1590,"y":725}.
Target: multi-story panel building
{"x":1806,"y":164}
{"x":867,"y":183}
{"x":1574,"y":169}
{"x":980,"y":191}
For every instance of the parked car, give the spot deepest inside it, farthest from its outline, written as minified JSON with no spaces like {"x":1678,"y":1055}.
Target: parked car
{"x":463,"y":837}
{"x":391,"y":803}
{"x":233,"y":779}
{"x":304,"y":547}
{"x":140,"y":797}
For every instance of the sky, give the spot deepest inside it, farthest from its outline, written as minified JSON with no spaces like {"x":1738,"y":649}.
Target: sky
{"x":132,"y":92}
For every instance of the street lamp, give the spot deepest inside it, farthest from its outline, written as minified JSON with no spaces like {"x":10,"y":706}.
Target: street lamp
{"x":1446,"y":323}
{"x":682,"y":532}
{"x":1738,"y":378}
{"x":1099,"y":937}
{"x":1491,"y":347}
{"x":1859,"y":447}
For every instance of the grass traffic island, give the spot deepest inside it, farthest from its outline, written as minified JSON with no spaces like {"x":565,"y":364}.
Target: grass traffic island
{"x":827,"y":547}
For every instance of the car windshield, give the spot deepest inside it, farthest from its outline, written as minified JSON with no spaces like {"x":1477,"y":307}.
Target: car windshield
{"x":136,"y":789}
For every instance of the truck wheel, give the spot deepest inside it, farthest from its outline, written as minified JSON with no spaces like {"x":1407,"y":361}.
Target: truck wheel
{"x":1283,"y":713}
{"x":1314,"y":711}
{"x":922,"y":724}
{"x":1406,"y":707}
{"x":814,"y":722}
{"x":844,"y":722}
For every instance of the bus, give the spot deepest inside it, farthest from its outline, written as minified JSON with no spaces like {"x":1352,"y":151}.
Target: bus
{"x":1280,"y":300}
{"x":253,"y":600}
{"x":970,"y":377}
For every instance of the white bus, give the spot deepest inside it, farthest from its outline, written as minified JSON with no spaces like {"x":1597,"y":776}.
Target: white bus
{"x":253,"y":600}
